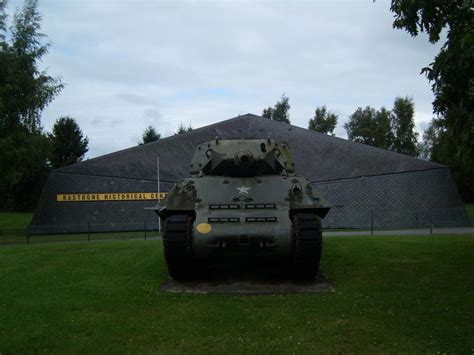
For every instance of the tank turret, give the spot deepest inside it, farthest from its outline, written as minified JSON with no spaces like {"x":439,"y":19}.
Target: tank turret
{"x":243,"y":197}
{"x":237,"y":158}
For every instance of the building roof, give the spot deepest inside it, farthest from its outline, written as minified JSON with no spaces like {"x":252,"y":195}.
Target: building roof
{"x":318,"y":157}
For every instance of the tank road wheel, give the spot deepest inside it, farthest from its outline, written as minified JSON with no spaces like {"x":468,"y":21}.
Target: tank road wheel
{"x":307,"y":245}
{"x":177,"y":245}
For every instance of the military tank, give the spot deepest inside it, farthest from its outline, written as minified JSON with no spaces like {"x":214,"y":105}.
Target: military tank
{"x":243,"y":198}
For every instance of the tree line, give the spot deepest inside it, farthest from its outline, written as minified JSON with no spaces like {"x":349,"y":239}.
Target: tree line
{"x":150,"y":134}
{"x":449,"y":139}
{"x":28,"y":152}
{"x":388,"y":129}
{"x":392,"y":129}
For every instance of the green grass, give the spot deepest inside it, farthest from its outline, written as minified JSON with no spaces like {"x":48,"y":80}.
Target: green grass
{"x":15,"y":219}
{"x":393,"y":294}
{"x":18,"y":236}
{"x":470,"y":211}
{"x":13,"y":227}
{"x":13,"y":231}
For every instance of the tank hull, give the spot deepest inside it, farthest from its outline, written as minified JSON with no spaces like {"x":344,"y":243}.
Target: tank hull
{"x":239,"y":216}
{"x":243,"y":200}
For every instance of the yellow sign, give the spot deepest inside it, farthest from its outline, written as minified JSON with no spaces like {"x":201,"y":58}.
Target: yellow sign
{"x":116,"y":196}
{"x":203,"y":228}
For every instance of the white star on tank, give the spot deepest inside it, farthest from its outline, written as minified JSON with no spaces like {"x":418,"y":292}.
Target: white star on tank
{"x":243,"y":189}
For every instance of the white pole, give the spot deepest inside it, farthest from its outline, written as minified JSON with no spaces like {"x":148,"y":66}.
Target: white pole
{"x":158,"y":183}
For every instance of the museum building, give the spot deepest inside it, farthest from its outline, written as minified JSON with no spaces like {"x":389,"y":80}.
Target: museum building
{"x":364,"y":185}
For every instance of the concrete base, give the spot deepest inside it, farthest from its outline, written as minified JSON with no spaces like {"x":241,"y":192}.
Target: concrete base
{"x":248,"y":286}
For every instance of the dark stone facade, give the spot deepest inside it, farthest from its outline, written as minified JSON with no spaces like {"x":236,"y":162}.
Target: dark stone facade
{"x":52,"y":216}
{"x":364,"y":184}
{"x":415,"y":199}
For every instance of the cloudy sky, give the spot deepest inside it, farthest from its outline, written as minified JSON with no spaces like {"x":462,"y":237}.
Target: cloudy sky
{"x":128,"y":64}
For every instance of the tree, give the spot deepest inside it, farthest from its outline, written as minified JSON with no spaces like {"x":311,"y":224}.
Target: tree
{"x":280,"y":112}
{"x":370,"y":127}
{"x":3,"y":19}
{"x":324,"y":121}
{"x":4,"y":55}
{"x":451,"y":74}
{"x":434,"y":146}
{"x":25,"y":91}
{"x":24,"y":166}
{"x":267,"y":113}
{"x":438,"y":146}
{"x":383,"y":134}
{"x":403,"y":126}
{"x":68,"y":144}
{"x":149,"y":135}
{"x":182,"y":129}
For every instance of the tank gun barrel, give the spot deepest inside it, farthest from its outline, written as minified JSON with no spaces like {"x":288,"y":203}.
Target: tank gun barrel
{"x":244,"y":159}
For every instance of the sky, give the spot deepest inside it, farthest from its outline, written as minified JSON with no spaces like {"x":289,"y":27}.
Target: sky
{"x":127,"y":64}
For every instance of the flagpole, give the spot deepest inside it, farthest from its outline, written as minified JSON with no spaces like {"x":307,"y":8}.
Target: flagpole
{"x":158,"y":183}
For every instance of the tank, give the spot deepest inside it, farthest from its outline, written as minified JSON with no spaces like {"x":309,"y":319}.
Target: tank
{"x":243,"y":199}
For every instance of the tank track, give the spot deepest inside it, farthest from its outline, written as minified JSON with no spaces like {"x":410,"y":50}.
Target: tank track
{"x":307,"y":245}
{"x":177,"y":245}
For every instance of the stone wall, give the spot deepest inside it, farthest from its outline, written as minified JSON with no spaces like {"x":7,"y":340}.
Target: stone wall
{"x":414,"y":199}
{"x":52,"y":216}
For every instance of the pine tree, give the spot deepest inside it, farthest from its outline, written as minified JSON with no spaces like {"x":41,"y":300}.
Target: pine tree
{"x":182,"y":129}
{"x":68,"y":144}
{"x":149,"y":135}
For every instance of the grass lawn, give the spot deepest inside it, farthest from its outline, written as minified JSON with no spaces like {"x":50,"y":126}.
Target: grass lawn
{"x":13,"y":227}
{"x":393,"y":294}
{"x":470,"y":211}
{"x":17,"y":236}
{"x":13,"y":231}
{"x":15,"y":219}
